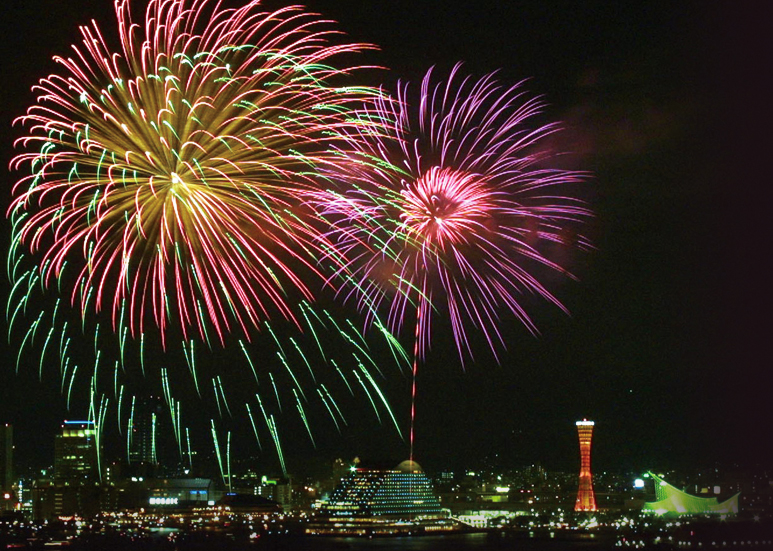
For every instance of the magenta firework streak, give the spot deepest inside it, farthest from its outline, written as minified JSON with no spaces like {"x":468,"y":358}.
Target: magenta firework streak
{"x":451,"y":207}
{"x":164,"y":178}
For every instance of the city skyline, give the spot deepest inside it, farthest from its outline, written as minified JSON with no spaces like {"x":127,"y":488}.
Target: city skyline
{"x":646,"y":352}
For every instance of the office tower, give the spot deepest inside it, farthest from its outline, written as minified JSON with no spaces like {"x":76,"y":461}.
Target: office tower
{"x":75,"y":452}
{"x":145,"y":421}
{"x":586,"y":500}
{"x":6,"y":457}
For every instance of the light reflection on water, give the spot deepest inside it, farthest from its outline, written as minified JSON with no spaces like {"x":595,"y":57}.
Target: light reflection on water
{"x":460,"y":542}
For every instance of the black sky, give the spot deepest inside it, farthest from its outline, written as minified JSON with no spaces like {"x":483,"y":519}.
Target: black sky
{"x":667,"y":345}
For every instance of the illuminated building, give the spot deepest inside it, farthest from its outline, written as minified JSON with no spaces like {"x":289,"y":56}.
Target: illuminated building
{"x":671,"y":501}
{"x":278,"y":490}
{"x":404,"y":492}
{"x":374,"y":501}
{"x":6,"y":458}
{"x":586,"y":500}
{"x":75,"y":487}
{"x":75,"y":452}
{"x":182,"y":492}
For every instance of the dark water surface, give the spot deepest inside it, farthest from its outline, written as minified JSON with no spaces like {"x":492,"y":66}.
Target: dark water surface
{"x":457,"y":542}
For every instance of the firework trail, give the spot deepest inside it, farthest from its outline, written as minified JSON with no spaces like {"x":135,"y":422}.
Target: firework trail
{"x":450,"y":207}
{"x":163,"y":204}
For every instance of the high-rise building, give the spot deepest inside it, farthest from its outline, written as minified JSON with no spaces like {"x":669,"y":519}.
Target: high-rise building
{"x":6,"y":458}
{"x":145,"y":422}
{"x":586,"y":499}
{"x":75,"y":452}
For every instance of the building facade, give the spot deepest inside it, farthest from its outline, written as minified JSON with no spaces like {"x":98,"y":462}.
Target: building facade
{"x":672,"y":501}
{"x":144,"y":430}
{"x":6,"y":458}
{"x":276,"y":489}
{"x":76,"y":457}
{"x":375,"y":501}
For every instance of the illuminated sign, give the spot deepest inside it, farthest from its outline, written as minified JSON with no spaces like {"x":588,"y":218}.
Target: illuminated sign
{"x":163,"y":501}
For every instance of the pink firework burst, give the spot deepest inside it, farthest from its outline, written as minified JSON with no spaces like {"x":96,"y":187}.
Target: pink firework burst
{"x":453,"y":208}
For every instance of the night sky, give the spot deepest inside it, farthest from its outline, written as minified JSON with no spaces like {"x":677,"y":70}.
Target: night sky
{"x":667,"y":346}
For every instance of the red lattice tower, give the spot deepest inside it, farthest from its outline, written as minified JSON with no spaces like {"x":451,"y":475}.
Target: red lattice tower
{"x":586,"y":499}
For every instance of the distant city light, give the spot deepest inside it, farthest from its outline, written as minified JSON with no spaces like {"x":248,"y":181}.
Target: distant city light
{"x":638,"y":483}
